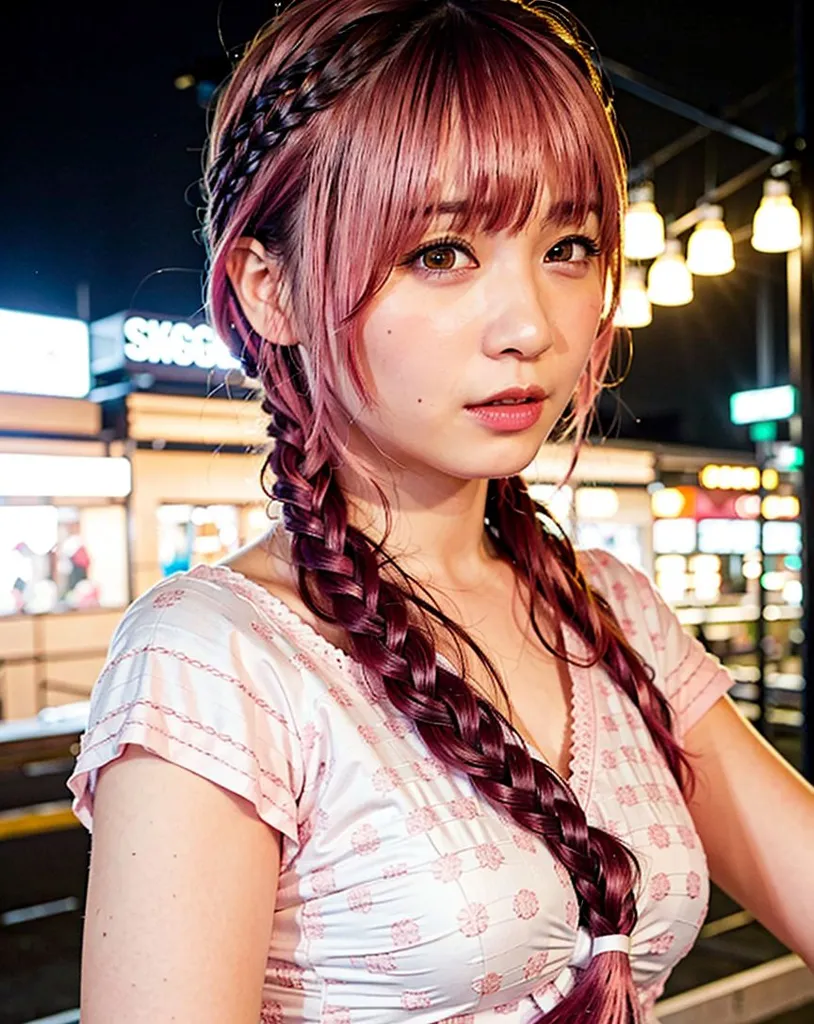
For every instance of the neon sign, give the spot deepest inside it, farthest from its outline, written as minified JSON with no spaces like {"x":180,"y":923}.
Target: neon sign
{"x":175,"y":343}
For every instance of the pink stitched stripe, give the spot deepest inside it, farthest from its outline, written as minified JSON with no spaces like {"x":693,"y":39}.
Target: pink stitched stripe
{"x":203,"y":667}
{"x":150,"y":727}
{"x":186,"y":720}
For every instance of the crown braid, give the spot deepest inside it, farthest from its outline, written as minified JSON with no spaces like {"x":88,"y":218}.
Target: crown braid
{"x":289,"y":98}
{"x":340,"y":580}
{"x":315,"y":80}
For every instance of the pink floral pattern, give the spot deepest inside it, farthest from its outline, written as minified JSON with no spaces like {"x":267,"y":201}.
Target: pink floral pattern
{"x":323,"y":881}
{"x":168,"y":598}
{"x":525,"y":904}
{"x":465,"y":808}
{"x":535,"y":965}
{"x":488,"y":856}
{"x":405,"y":933}
{"x":447,"y":868}
{"x":659,"y":886}
{"x":608,"y":759}
{"x":658,"y":836}
{"x":335,"y":1015}
{"x":488,"y":984}
{"x":365,"y":839}
{"x":360,"y":899}
{"x":693,"y":885}
{"x":271,"y":1012}
{"x":473,"y":920}
{"x":422,"y":819}
{"x":419,"y":1000}
{"x":381,"y":963}
{"x":661,"y":944}
{"x":285,"y":974}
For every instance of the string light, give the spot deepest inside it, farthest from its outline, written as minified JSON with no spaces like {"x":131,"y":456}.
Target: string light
{"x":776,"y":226}
{"x":634,"y":306}
{"x":710,"y":251}
{"x":669,"y":282}
{"x":644,"y":225}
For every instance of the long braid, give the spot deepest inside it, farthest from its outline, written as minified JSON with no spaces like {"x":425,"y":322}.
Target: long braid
{"x":340,"y":579}
{"x":547,"y":561}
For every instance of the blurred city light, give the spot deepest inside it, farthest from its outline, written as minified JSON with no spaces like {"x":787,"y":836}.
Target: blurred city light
{"x":710,"y":250}
{"x":669,"y":282}
{"x":634,"y":306}
{"x":776,"y":225}
{"x":644,"y":225}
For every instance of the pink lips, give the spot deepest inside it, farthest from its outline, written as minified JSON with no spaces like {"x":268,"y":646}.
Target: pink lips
{"x":510,"y":410}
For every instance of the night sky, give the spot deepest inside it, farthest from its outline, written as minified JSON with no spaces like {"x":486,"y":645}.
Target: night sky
{"x":101,"y":153}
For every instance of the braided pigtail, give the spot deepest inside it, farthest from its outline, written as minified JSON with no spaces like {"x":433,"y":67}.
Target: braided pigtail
{"x":547,"y":561}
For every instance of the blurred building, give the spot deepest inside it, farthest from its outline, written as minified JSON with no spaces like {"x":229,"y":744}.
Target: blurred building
{"x":134,"y":447}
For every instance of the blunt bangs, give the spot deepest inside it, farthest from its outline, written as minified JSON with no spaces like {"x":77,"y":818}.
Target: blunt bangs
{"x":478,"y":120}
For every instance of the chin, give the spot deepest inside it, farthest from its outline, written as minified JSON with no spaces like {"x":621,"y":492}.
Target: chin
{"x":493,"y":465}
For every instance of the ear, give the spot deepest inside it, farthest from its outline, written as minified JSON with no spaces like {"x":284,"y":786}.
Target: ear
{"x":263,"y":293}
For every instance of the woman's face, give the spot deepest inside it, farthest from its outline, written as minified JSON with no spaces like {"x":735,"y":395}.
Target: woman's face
{"x":460,"y":321}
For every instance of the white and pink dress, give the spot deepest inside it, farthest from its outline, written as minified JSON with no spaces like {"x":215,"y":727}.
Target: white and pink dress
{"x":404,"y":895}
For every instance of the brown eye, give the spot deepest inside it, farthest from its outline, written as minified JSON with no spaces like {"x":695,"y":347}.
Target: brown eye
{"x":575,"y":249}
{"x":562,"y":252}
{"x":442,"y":258}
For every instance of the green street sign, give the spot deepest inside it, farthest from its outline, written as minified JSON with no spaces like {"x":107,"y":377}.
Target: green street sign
{"x":763,"y":404}
{"x":763,"y":431}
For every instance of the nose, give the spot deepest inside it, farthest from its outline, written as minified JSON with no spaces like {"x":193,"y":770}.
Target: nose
{"x":519,"y":325}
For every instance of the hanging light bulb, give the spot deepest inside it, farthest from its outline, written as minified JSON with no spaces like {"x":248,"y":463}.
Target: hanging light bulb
{"x":710,"y":251}
{"x":634,"y":306}
{"x":669,"y":282}
{"x":776,"y":227}
{"x":644,"y":225}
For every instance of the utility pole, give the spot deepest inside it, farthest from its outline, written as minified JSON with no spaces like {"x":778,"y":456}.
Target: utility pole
{"x":801,"y":348}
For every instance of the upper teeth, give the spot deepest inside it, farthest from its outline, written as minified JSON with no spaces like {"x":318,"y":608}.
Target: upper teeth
{"x":509,"y":401}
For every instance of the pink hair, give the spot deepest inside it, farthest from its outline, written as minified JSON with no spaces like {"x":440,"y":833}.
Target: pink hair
{"x":334,"y":143}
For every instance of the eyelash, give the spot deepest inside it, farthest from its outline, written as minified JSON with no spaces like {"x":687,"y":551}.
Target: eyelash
{"x":454,"y":242}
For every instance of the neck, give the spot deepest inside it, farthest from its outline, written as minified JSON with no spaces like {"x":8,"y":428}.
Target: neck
{"x":436,"y":522}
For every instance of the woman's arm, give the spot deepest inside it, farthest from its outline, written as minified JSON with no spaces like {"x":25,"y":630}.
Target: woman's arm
{"x":183,"y":879}
{"x":755,"y":816}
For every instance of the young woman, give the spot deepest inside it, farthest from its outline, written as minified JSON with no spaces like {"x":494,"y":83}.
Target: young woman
{"x":409,"y":756}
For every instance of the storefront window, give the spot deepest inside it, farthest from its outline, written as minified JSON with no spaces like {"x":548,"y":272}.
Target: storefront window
{"x":190,"y":534}
{"x":62,"y":558}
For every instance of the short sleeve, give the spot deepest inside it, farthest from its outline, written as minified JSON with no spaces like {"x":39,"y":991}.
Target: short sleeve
{"x":188,"y":680}
{"x":690,"y":677}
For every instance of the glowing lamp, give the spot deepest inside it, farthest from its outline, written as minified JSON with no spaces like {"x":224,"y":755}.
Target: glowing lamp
{"x":669,"y":282}
{"x":644,"y":225}
{"x":776,"y":227}
{"x":667,"y":503}
{"x":634,"y":306}
{"x":710,"y":251}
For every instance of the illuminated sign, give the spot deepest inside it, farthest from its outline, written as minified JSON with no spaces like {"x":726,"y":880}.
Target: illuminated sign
{"x":763,"y":404}
{"x":674,"y":536}
{"x":781,"y":538}
{"x":175,"y":343}
{"x":730,"y":478}
{"x":43,"y":355}
{"x":781,"y":506}
{"x":728,"y":536}
{"x":63,"y":476}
